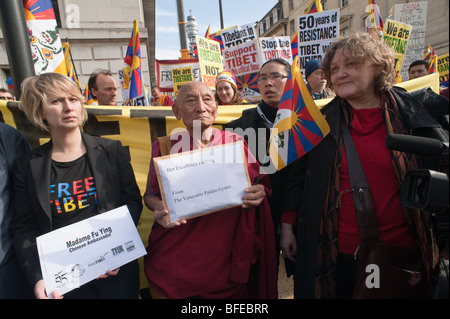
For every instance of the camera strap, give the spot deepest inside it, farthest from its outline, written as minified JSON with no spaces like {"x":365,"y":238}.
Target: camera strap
{"x":362,"y":197}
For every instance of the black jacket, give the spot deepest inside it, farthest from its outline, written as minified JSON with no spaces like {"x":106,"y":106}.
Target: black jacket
{"x":309,"y":178}
{"x":115,"y":183}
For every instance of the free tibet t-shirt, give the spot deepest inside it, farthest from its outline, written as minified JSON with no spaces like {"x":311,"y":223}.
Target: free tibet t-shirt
{"x":73,"y":195}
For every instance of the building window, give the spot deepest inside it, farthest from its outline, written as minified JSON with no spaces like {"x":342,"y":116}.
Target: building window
{"x":292,"y":25}
{"x":344,"y":31}
{"x":291,"y":5}
{"x":344,"y":3}
{"x":275,"y":16}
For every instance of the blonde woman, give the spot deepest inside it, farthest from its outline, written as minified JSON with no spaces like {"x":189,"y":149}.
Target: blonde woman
{"x":72,"y":177}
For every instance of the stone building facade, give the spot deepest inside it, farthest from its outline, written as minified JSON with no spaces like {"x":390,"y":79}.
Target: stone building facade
{"x":281,"y":19}
{"x":98,"y":33}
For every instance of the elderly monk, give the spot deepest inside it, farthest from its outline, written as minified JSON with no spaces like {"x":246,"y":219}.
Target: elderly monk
{"x":226,"y":254}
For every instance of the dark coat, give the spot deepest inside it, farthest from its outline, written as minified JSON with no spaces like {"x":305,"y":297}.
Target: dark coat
{"x":251,"y":119}
{"x":309,"y":178}
{"x":115,"y":183}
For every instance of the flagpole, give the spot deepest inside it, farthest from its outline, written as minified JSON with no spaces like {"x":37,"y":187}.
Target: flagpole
{"x":17,"y":42}
{"x":221,"y":14}
{"x":73,"y":64}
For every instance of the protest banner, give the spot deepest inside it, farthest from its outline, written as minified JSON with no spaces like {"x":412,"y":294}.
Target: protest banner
{"x":414,"y":14}
{"x":138,"y":127}
{"x":396,"y":35}
{"x":316,"y":31}
{"x":181,"y":76}
{"x":277,"y":47}
{"x":242,"y":59}
{"x":210,"y":60}
{"x":443,"y":67}
{"x":164,"y":72}
{"x":237,"y":35}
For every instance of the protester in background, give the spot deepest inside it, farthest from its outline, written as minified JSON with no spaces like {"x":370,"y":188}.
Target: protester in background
{"x":103,"y":87}
{"x":13,"y":284}
{"x":162,"y":99}
{"x":226,"y":90}
{"x":271,"y":81}
{"x":319,"y":226}
{"x":317,"y":84}
{"x":418,"y":69}
{"x":6,"y":94}
{"x":225,"y":254}
{"x":53,"y":103}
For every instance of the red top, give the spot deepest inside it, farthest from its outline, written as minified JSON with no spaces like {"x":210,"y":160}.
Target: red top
{"x":369,"y":134}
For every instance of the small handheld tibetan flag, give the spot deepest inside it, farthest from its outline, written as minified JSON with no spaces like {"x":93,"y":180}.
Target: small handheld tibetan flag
{"x":299,"y":125}
{"x":315,"y":6}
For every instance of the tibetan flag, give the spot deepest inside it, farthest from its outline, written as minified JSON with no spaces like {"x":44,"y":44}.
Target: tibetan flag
{"x":69,"y":65}
{"x":376,"y":22}
{"x":299,"y":125}
{"x":46,"y":48}
{"x":88,"y":97}
{"x":315,"y":6}
{"x":10,"y":83}
{"x":132,"y":84}
{"x":432,"y":58}
{"x":294,"y":45}
{"x":433,"y":64}
{"x":207,"y":32}
{"x":217,"y":37}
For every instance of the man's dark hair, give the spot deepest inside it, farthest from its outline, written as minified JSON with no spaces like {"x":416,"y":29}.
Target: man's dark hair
{"x":418,"y":62}
{"x":6,"y":90}
{"x":286,"y":64}
{"x":92,"y":82}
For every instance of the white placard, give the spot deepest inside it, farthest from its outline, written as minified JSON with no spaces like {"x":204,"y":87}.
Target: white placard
{"x":202,"y":181}
{"x":76,"y":254}
{"x":238,"y":35}
{"x":276,"y":47}
{"x":414,"y":14}
{"x":316,"y":31}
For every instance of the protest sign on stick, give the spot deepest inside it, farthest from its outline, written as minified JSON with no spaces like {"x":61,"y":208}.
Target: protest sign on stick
{"x":238,"y":35}
{"x":316,"y":31}
{"x":242,"y":59}
{"x":210,"y":60}
{"x":396,"y":35}
{"x":181,"y":76}
{"x":414,"y":14}
{"x":276,"y":47}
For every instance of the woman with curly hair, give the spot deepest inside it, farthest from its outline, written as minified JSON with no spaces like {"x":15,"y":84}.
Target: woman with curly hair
{"x":320,"y":230}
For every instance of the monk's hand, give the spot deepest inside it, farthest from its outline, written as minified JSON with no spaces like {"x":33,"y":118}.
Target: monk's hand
{"x":254,"y":195}
{"x":160,"y":215}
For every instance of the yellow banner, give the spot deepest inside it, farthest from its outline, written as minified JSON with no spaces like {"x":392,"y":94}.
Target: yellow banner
{"x":442,"y":66}
{"x":138,"y":127}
